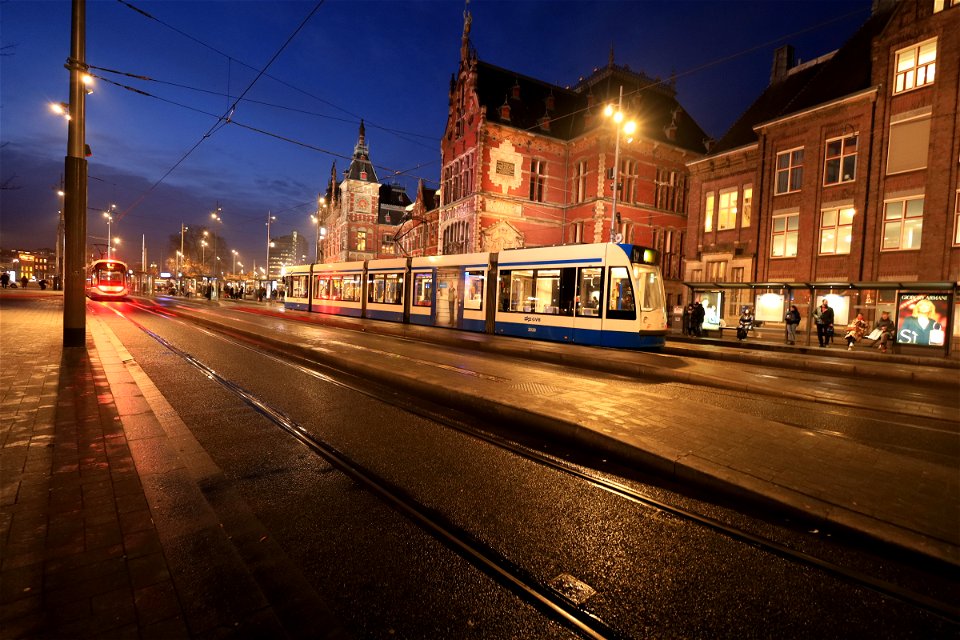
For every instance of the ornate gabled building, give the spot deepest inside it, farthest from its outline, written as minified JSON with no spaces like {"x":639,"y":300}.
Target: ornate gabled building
{"x":417,"y":233}
{"x":352,"y":215}
{"x":527,"y":163}
{"x":844,"y":171}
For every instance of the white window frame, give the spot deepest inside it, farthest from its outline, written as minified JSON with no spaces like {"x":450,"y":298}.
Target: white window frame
{"x":908,"y":223}
{"x":915,"y":74}
{"x":841,"y":158}
{"x":783,"y":237}
{"x":727,"y":208}
{"x":538,"y":180}
{"x":790,"y":170}
{"x":842,"y":223}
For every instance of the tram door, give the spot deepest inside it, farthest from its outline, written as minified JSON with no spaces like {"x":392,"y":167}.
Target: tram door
{"x":588,"y":308}
{"x":449,"y":298}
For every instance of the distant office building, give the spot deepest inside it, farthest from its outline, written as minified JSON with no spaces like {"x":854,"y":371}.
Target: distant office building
{"x":286,"y":250}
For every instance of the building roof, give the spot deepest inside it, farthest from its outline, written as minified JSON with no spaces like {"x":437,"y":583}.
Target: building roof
{"x":847,"y":71}
{"x":575,"y":111}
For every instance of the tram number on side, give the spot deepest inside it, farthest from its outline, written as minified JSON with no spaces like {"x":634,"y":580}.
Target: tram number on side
{"x":531,"y":319}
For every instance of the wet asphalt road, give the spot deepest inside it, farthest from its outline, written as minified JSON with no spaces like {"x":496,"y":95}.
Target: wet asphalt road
{"x":654,"y":575}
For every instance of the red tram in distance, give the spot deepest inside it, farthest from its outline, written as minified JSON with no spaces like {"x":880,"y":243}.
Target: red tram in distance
{"x":107,"y":280}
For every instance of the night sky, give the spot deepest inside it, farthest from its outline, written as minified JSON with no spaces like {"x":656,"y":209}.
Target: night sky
{"x":389,"y":63}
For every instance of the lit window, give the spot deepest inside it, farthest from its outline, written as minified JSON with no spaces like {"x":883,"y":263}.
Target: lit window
{"x":783,"y":243}
{"x":909,"y":144}
{"x":916,"y":66}
{"x":361,"y":240}
{"x":789,"y":171}
{"x":708,"y":212}
{"x":902,"y":224}
{"x":747,"y":208}
{"x":836,"y":230}
{"x":956,"y":219}
{"x":840,"y":163}
{"x":727,"y":210}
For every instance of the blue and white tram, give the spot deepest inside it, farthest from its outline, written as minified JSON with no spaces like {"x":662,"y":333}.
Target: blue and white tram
{"x":596,"y":294}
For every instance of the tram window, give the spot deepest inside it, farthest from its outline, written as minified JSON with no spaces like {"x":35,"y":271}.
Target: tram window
{"x":590,"y":290}
{"x":548,"y":291}
{"x":422,"y":289}
{"x":649,"y":280}
{"x":620,"y":301}
{"x":393,"y":288}
{"x":298,"y":286}
{"x":351,"y":288}
{"x":375,"y":288}
{"x":473,"y":285}
{"x":522,"y":298}
{"x":336,"y":288}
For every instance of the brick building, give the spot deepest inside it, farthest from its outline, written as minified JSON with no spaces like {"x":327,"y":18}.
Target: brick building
{"x":841,"y":179}
{"x":527,"y":163}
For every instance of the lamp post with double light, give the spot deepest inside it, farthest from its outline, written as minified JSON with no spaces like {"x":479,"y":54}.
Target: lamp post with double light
{"x":628,"y":128}
{"x":235,"y":254}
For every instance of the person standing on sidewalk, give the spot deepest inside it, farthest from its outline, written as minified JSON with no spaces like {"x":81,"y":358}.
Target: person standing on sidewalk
{"x":697,"y":318}
{"x":824,"y":320}
{"x":793,"y":321}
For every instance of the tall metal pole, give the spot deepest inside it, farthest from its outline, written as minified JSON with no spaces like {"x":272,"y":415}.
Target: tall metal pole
{"x":75,"y":188}
{"x":269,"y":218}
{"x":319,"y":200}
{"x":109,"y":234}
{"x":616,"y":174}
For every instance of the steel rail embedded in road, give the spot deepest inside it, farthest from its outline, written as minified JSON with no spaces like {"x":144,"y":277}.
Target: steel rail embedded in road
{"x":936,"y":607}
{"x":505,"y":571}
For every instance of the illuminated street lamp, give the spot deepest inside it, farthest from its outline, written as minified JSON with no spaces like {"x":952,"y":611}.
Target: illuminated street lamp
{"x":628,"y":128}
{"x":235,"y":254}
{"x":203,"y":253}
{"x":270,"y":219}
{"x":318,"y":220}
{"x":106,"y":214}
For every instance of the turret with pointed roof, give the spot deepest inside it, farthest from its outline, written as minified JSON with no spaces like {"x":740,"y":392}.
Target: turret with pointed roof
{"x":360,"y":167}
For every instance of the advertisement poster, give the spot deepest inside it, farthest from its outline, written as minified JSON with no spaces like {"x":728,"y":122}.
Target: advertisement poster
{"x":712,"y":302}
{"x":922,"y":318}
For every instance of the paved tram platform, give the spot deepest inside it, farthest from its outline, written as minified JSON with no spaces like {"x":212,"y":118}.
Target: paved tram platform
{"x":104,"y":529}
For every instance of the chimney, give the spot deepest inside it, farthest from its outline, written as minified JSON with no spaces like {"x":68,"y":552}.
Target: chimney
{"x":505,"y":110}
{"x":783,"y":60}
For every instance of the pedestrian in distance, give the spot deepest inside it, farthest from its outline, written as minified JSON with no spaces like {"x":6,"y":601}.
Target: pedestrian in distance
{"x":687,"y":312}
{"x":699,"y":313}
{"x":855,"y":331}
{"x":23,"y":282}
{"x":745,"y":324}
{"x":824,"y":320}
{"x":43,"y":284}
{"x":887,"y":328}
{"x":4,"y":279}
{"x":793,"y":321}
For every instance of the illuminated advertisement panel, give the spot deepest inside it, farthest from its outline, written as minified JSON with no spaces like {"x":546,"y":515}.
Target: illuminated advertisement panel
{"x":922,"y":318}
{"x":712,"y":302}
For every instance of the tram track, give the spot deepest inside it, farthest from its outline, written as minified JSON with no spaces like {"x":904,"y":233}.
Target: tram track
{"x":542,"y":595}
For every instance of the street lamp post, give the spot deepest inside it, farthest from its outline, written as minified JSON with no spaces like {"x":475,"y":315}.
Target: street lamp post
{"x":216,"y":216}
{"x":106,"y":214}
{"x":203,"y":253}
{"x":234,"y":261}
{"x":629,"y":127}
{"x":270,"y":218}
{"x":321,"y":231}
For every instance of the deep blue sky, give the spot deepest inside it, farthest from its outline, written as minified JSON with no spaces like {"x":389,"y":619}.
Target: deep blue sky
{"x":388,"y":62}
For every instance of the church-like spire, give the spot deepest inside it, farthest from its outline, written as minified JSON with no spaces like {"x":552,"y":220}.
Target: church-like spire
{"x":360,"y":167}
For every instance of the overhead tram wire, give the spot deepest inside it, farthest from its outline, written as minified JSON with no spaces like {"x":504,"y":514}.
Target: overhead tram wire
{"x":225,"y":118}
{"x":260,"y":102}
{"x":369,"y":123}
{"x":306,"y":145}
